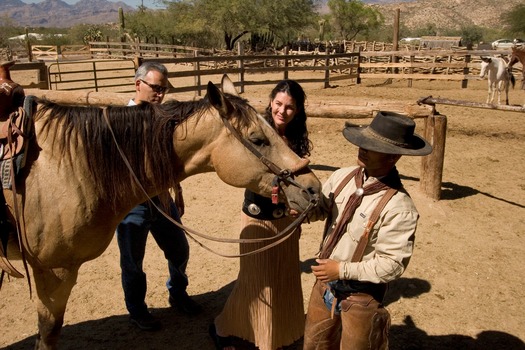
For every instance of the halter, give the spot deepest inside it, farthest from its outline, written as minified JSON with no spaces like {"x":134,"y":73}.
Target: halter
{"x":281,"y":176}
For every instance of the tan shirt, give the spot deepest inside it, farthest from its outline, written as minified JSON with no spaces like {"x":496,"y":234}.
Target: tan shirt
{"x":391,"y":240}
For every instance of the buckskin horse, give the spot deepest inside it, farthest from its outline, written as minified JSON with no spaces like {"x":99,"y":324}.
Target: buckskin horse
{"x":77,"y":185}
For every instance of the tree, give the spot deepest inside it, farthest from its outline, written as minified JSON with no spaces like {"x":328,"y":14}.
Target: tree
{"x":353,"y":17}
{"x":514,"y":20}
{"x":231,"y":20}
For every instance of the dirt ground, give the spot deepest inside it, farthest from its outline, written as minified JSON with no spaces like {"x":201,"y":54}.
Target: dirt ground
{"x":463,"y":289}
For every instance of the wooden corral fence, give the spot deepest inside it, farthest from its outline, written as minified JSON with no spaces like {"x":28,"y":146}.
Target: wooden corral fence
{"x":111,"y":49}
{"x":107,"y":75}
{"x":117,"y":75}
{"x":377,"y":60}
{"x":456,"y":65}
{"x":56,"y":53}
{"x":335,"y":67}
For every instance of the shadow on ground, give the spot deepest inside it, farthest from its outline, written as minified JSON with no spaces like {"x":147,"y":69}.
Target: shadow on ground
{"x":191,"y":333}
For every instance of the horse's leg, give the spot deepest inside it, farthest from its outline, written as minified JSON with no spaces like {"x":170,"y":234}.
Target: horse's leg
{"x":506,"y":84}
{"x":498,"y":91}
{"x":53,"y":288}
{"x":490,"y":96}
{"x":502,"y":86}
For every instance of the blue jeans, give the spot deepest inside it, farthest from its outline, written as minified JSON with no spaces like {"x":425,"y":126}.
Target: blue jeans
{"x":132,"y":234}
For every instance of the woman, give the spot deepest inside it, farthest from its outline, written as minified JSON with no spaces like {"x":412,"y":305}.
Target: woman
{"x":266,"y":303}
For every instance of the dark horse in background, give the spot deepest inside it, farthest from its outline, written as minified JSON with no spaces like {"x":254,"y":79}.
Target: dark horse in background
{"x":518,"y":55}
{"x":75,"y":187}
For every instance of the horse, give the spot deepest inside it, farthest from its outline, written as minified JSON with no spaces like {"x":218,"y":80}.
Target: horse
{"x":86,"y":168}
{"x":518,"y":55}
{"x":498,"y":76}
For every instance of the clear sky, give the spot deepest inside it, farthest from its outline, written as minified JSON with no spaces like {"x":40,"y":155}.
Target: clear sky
{"x":135,"y":3}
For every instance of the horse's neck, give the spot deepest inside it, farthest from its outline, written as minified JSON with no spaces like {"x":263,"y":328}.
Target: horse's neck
{"x":194,"y":142}
{"x":520,"y":55}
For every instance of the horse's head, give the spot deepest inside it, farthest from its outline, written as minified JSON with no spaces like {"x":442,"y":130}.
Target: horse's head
{"x":485,"y":62}
{"x":245,"y":151}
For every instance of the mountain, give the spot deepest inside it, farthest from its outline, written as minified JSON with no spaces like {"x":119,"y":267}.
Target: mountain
{"x":450,"y":14}
{"x":57,"y":13}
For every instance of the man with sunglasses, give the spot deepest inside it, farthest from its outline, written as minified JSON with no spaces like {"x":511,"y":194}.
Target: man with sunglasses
{"x":151,"y":85}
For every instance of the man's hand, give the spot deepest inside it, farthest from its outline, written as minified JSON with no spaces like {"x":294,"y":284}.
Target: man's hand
{"x":327,"y":270}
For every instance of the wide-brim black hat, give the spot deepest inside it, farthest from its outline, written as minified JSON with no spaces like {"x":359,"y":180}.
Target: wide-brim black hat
{"x":389,"y":133}
{"x":4,"y":63}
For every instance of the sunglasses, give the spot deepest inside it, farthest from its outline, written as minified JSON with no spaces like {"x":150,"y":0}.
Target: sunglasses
{"x":157,"y":88}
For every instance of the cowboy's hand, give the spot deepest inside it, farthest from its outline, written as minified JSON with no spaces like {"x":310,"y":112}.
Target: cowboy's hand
{"x":327,"y":270}
{"x":320,"y":211}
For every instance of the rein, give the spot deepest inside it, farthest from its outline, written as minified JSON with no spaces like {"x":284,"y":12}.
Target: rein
{"x":281,"y":175}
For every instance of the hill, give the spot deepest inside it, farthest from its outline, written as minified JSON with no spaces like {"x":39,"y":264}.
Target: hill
{"x":446,"y":14}
{"x":449,"y":14}
{"x":57,"y":13}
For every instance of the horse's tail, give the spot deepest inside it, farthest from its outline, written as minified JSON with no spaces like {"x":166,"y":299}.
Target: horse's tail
{"x":512,"y":79}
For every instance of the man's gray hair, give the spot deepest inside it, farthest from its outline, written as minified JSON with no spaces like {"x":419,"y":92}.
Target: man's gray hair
{"x":149,"y":66}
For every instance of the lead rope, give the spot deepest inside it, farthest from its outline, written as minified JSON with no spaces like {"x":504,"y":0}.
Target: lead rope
{"x":281,"y":236}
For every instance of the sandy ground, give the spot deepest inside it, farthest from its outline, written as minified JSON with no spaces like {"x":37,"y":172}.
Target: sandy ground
{"x":464,"y":288}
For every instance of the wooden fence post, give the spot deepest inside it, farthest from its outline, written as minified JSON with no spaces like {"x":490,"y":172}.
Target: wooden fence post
{"x":396,"y":38}
{"x":240,"y":64}
{"x":327,"y":68}
{"x":197,"y":68}
{"x":464,"y":82}
{"x":358,"y":80}
{"x":432,"y":165}
{"x":108,"y":46}
{"x":411,"y":69}
{"x":137,"y":61}
{"x":286,"y":62}
{"x":29,"y":49}
{"x":95,"y":75}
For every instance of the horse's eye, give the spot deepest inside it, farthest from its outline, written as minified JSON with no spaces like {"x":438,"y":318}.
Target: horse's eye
{"x":258,"y":140}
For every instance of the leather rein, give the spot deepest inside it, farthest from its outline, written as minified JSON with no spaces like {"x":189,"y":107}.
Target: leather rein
{"x":281,"y":176}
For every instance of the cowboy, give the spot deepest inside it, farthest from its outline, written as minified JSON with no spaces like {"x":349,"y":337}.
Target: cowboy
{"x":368,"y":240}
{"x":11,"y":94}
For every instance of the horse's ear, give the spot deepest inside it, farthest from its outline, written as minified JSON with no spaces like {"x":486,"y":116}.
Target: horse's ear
{"x":219,"y":101}
{"x":228,"y":86}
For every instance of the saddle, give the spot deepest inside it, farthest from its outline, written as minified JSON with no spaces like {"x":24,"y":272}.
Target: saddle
{"x":15,"y":130}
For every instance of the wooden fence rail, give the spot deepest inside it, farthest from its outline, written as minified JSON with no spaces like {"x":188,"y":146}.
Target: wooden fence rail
{"x":334,"y":66}
{"x":376,"y":62}
{"x":117,"y":75}
{"x":456,"y":65}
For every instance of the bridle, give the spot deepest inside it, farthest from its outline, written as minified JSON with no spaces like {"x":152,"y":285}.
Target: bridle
{"x":285,"y":176}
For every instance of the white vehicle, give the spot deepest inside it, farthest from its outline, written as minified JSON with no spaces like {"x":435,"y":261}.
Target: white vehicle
{"x":502,"y":44}
{"x":410,"y":41}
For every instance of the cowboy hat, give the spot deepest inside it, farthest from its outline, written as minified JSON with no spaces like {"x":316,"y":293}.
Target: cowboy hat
{"x":390,"y":133}
{"x":7,"y":64}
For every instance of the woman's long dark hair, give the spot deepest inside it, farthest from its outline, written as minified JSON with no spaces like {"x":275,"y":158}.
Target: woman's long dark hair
{"x":296,"y":132}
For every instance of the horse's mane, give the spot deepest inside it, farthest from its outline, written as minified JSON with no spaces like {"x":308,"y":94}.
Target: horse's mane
{"x":144,"y":133}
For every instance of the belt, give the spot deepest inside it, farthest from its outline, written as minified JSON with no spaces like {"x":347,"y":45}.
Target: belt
{"x":262,"y":211}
